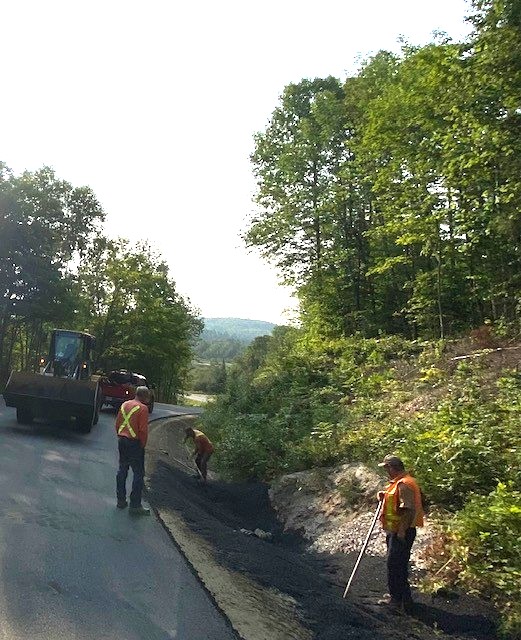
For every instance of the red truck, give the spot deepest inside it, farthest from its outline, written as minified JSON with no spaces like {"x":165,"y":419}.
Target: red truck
{"x":119,"y":386}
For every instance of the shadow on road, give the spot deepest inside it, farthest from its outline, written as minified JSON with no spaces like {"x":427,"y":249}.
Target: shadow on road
{"x":50,"y":431}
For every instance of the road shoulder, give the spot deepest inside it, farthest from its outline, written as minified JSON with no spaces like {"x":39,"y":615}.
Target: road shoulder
{"x":254,"y":612}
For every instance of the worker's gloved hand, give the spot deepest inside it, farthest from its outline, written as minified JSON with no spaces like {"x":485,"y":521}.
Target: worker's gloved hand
{"x":380,"y":495}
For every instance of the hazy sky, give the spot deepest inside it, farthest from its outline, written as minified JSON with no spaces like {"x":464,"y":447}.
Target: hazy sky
{"x":154,"y":106}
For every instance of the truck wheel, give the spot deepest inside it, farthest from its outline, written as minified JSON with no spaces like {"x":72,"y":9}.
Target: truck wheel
{"x":24,"y":415}
{"x":84,"y":424}
{"x":96,"y":412}
{"x":98,"y":404}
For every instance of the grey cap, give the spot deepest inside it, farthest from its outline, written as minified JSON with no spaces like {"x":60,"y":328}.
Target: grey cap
{"x":391,"y":461}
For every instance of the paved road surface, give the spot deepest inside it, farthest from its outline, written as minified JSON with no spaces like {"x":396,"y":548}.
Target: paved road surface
{"x":72,"y":566}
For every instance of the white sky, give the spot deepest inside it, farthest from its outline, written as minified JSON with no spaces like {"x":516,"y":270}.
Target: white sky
{"x":154,"y":106}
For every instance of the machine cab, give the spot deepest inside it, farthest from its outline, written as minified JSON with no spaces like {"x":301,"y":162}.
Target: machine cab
{"x":70,"y":355}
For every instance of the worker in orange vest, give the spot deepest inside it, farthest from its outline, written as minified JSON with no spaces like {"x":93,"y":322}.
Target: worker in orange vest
{"x":400,"y":514}
{"x":203,"y":450}
{"x":132,"y":431}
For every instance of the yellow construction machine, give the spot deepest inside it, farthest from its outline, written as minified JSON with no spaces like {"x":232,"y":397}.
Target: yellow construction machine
{"x":64,"y":389}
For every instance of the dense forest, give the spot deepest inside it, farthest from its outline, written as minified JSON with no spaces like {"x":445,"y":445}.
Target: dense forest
{"x":391,"y":202}
{"x":238,"y":328}
{"x":57,"y":269}
{"x":222,"y":341}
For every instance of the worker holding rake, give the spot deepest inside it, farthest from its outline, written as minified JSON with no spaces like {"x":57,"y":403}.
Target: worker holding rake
{"x":401,"y":512}
{"x":203,"y":450}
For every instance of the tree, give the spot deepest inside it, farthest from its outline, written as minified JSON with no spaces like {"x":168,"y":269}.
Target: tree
{"x":315,"y":198}
{"x":295,"y":162}
{"x":140,"y":320}
{"x":45,"y":224}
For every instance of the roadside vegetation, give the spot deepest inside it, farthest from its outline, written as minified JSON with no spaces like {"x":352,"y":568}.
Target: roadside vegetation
{"x":292,"y":403}
{"x":207,"y":377}
{"x":391,"y":202}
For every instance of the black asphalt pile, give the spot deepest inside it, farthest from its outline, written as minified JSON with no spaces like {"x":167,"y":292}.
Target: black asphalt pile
{"x":217,"y":512}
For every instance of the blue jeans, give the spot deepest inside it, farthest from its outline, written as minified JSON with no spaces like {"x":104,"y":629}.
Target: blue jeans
{"x":398,"y":555}
{"x":131,"y":454}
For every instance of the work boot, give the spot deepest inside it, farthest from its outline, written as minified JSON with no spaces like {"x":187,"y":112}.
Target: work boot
{"x":122,"y":504}
{"x":138,"y":511}
{"x":391,"y":603}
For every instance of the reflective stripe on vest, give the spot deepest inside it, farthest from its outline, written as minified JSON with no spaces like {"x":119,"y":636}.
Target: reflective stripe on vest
{"x":390,"y":517}
{"x":126,"y":420}
{"x":390,"y":511}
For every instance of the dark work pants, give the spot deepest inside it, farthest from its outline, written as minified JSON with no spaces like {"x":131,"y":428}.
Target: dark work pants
{"x":201,"y":460}
{"x":398,"y":555}
{"x":131,"y":454}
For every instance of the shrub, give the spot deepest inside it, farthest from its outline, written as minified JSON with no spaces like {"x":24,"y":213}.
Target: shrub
{"x":467,"y":445}
{"x":485,"y":538}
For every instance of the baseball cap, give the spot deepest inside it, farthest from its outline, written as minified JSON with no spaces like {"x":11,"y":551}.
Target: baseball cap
{"x":391,"y":461}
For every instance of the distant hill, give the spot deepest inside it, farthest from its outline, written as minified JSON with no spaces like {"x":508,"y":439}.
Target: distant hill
{"x":236,"y":328}
{"x":226,"y":338}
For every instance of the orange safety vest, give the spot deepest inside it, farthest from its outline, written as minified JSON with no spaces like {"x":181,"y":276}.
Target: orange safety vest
{"x":126,"y":421}
{"x":390,"y":515}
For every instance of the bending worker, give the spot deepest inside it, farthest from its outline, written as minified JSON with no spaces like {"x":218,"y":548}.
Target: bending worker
{"x":401,"y":513}
{"x":132,"y":430}
{"x":203,"y":450}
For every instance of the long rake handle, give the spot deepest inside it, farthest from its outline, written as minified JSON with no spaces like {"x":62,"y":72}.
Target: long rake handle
{"x":183,"y":464}
{"x":364,"y":547}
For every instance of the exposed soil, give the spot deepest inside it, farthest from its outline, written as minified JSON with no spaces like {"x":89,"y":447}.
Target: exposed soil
{"x":279,"y":588}
{"x":333,"y":509}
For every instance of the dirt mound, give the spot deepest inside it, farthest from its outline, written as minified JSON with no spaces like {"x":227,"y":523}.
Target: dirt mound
{"x":286,"y":590}
{"x":333,"y":508}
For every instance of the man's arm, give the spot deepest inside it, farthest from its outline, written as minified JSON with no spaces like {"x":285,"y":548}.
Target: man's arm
{"x":143,"y":426}
{"x":119,"y":420}
{"x":406,"y":508}
{"x":197,"y":447}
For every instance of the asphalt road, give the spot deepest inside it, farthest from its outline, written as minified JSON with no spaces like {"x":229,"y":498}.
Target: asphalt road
{"x":73,"y":566}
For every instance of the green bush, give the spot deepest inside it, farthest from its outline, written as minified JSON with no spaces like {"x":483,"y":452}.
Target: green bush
{"x":486,"y":535}
{"x":209,"y":378}
{"x":242,"y":452}
{"x":468,"y":444}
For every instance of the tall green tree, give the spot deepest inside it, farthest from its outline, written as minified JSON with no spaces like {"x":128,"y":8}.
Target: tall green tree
{"x":45,"y":225}
{"x":295,"y":161}
{"x":139,"y":319}
{"x":415,"y":221}
{"x":491,"y":165}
